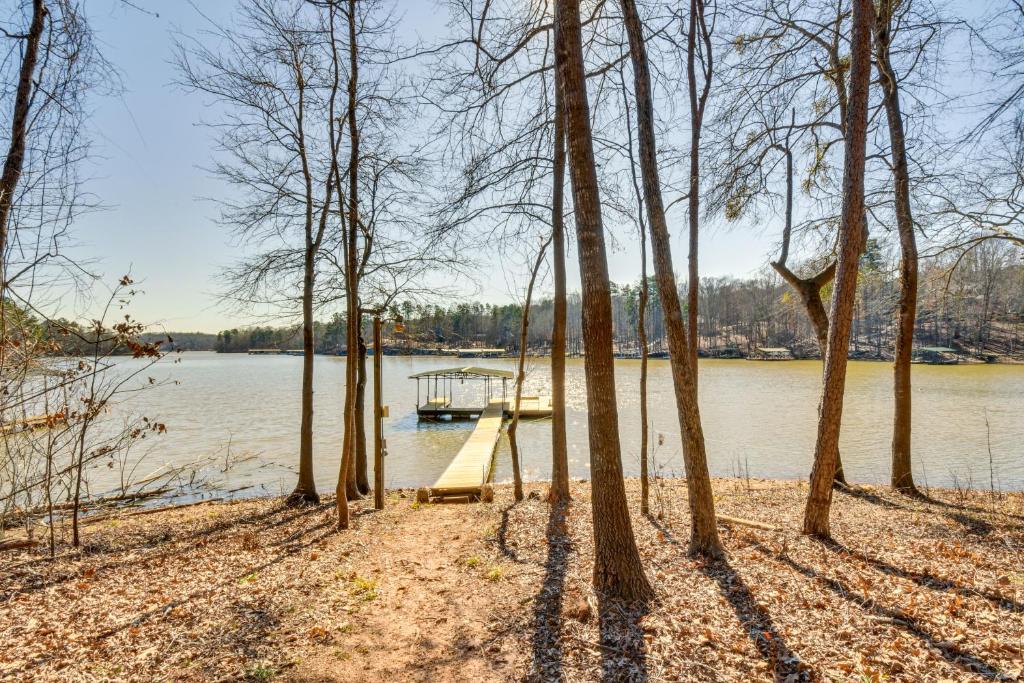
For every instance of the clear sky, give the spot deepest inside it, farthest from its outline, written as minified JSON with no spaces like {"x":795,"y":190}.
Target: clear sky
{"x":148,"y":173}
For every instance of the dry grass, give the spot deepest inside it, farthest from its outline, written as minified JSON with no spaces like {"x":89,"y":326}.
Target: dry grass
{"x":911,"y":590}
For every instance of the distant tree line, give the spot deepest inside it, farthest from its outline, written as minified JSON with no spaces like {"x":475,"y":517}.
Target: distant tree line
{"x":976,"y":308}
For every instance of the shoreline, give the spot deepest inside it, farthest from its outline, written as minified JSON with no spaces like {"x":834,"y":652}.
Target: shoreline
{"x":96,"y":511}
{"x":1000,"y":359}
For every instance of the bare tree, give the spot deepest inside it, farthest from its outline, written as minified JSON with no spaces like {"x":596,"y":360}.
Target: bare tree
{"x":704,"y":538}
{"x":559,"y":492}
{"x":14,"y":161}
{"x":641,"y":319}
{"x":346,"y":476}
{"x":524,"y":329}
{"x":497,"y":75}
{"x":381,"y":253}
{"x":698,"y":50}
{"x":278,"y":78}
{"x":808,"y":288}
{"x":618,"y":571}
{"x":902,"y":477}
{"x":49,"y":65}
{"x":851,"y":233}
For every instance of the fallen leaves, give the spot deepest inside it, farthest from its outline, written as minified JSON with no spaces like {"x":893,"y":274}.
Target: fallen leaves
{"x":908,"y":592}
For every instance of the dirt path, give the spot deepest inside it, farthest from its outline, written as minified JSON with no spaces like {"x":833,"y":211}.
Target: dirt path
{"x":427,"y":614}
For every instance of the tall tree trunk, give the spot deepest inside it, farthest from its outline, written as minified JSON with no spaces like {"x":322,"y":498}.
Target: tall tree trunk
{"x":559,"y":492}
{"x":902,"y":476}
{"x":524,"y":330}
{"x":641,"y":318}
{"x":305,"y":489}
{"x":618,"y":571}
{"x":851,"y":239}
{"x":14,"y":162}
{"x":697,"y":104}
{"x":641,"y":329}
{"x":343,"y":490}
{"x":362,"y":477}
{"x":704,"y":538}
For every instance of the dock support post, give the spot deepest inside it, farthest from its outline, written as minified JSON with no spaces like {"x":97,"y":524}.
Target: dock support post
{"x":378,"y":419}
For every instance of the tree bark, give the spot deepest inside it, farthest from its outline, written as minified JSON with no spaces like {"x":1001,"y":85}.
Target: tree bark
{"x":641,"y":331}
{"x":559,"y":492}
{"x":641,"y":318}
{"x":902,"y":477}
{"x":704,"y":538}
{"x":342,"y":490}
{"x":362,"y":476}
{"x":851,"y":238}
{"x":697,"y":104}
{"x":14,"y":162}
{"x":618,"y":571}
{"x":524,"y":329}
{"x":305,"y":489}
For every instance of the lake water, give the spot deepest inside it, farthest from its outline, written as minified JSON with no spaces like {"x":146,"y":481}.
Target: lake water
{"x":758,"y":417}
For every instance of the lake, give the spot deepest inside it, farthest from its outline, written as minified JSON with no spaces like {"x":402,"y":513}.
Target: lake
{"x":759,"y":417}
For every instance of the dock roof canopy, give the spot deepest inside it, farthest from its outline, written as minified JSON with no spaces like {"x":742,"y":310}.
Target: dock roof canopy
{"x":937,"y":349}
{"x":464,"y":372}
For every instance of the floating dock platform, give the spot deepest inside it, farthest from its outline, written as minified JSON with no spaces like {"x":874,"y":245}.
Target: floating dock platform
{"x":530,"y":407}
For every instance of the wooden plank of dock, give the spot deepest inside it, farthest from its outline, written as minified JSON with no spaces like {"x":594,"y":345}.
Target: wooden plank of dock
{"x":471,"y":468}
{"x":530,"y":407}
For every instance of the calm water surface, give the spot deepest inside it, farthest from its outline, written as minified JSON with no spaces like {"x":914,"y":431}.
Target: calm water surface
{"x":758,"y":416}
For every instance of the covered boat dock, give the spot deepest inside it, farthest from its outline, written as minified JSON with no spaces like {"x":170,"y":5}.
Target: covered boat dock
{"x":468,"y":473}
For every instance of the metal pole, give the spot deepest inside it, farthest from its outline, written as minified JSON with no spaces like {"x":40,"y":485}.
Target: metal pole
{"x":378,"y":420}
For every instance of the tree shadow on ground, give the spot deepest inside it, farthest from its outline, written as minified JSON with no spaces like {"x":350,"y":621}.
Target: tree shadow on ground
{"x":957,"y":513}
{"x":547,"y":606}
{"x":925,"y":579}
{"x":757,"y":622}
{"x":949,"y":651}
{"x":623,"y":649}
{"x":326,"y":529}
{"x":502,"y":535}
{"x":439,"y":660}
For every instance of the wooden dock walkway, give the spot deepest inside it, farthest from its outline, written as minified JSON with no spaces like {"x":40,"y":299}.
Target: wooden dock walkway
{"x":470,"y":471}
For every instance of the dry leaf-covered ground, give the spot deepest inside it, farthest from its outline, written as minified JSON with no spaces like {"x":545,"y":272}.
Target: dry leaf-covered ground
{"x":910,"y":590}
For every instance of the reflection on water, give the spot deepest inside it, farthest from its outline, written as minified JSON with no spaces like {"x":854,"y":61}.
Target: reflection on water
{"x":756,"y":415}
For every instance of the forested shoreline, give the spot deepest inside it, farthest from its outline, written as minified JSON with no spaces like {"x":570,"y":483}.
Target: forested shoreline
{"x":978,"y":308}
